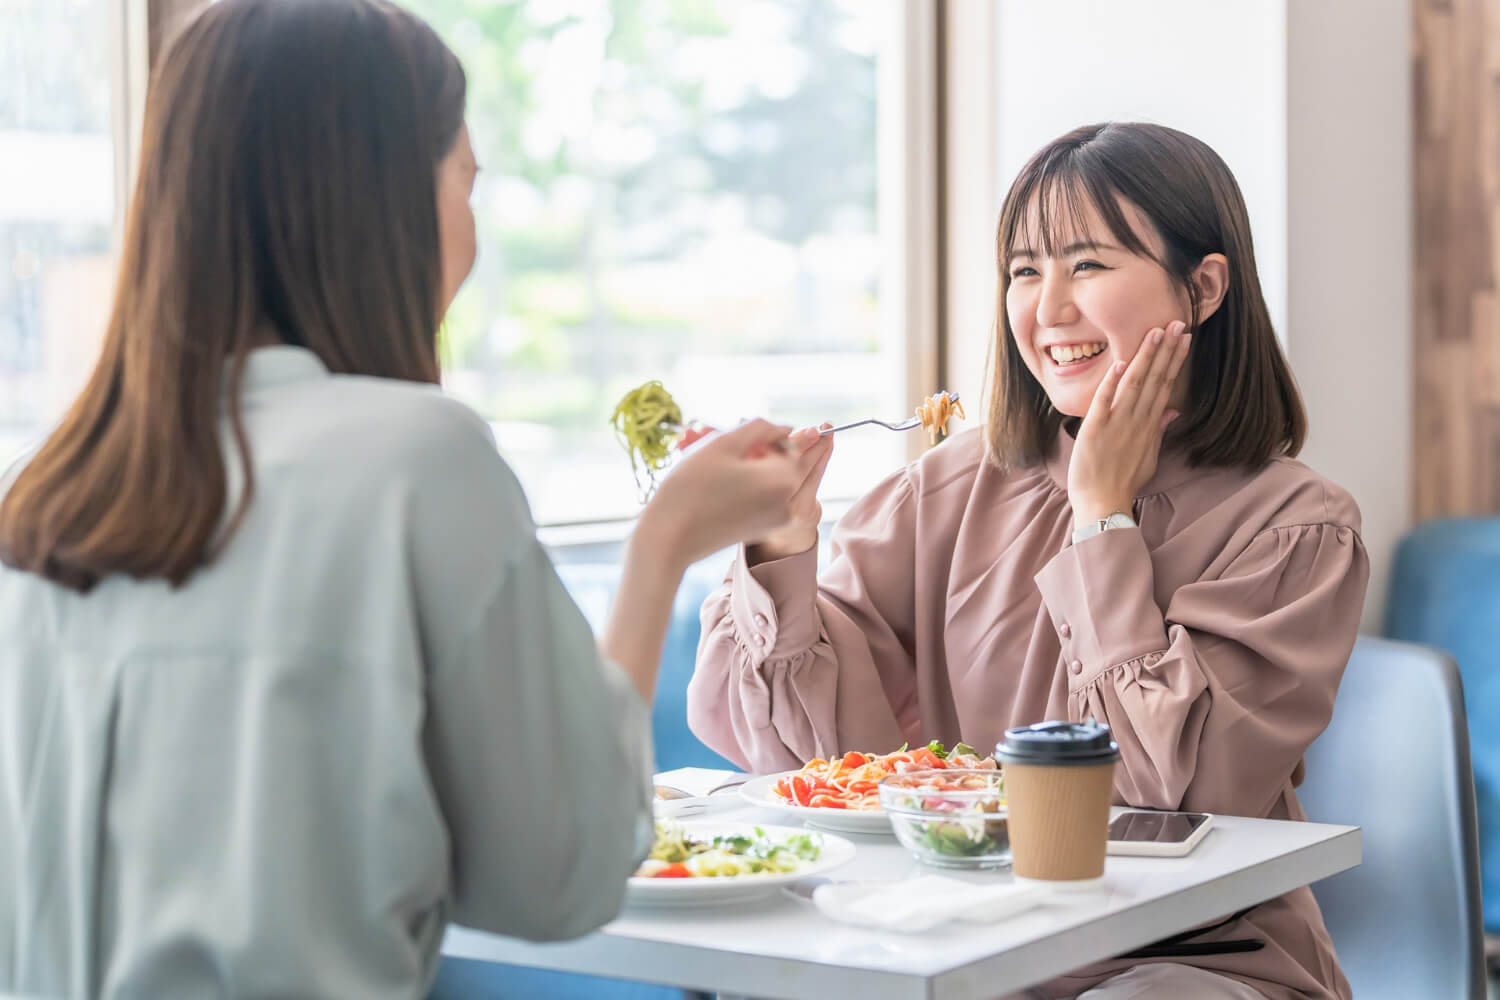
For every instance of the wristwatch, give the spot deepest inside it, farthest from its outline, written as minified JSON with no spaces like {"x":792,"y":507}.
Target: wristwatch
{"x":1092,"y":528}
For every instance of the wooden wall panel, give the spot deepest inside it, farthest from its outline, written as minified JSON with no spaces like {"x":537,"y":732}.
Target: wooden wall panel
{"x":1456,"y":78}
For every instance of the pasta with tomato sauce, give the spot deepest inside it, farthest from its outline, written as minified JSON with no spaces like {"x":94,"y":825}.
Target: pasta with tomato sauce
{"x":936,"y":410}
{"x":852,"y":781}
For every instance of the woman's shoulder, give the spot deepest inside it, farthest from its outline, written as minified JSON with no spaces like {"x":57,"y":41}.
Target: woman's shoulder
{"x":414,"y":415}
{"x":375,"y":435}
{"x":954,"y":463}
{"x":954,"y":480}
{"x":962,"y":467}
{"x":1287,"y":493}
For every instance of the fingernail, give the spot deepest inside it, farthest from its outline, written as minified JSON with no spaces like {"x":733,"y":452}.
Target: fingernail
{"x":1156,"y":336}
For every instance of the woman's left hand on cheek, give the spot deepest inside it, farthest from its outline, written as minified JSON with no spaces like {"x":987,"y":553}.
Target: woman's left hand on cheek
{"x":1121,"y":435}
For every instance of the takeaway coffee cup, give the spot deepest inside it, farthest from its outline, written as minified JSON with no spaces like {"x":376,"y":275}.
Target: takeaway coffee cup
{"x":1059,"y":781}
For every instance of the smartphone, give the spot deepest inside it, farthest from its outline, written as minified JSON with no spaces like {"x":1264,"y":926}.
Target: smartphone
{"x":1157,"y":834}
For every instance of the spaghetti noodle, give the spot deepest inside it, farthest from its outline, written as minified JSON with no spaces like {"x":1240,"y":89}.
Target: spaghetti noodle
{"x":647,"y":420}
{"x":936,"y":410}
{"x":851,"y":781}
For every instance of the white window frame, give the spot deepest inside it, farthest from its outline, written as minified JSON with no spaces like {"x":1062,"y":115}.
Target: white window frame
{"x":971,"y":182}
{"x":130,"y":70}
{"x":911,"y":158}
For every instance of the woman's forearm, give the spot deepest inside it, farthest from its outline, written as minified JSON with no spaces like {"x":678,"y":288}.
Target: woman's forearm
{"x":637,"y":627}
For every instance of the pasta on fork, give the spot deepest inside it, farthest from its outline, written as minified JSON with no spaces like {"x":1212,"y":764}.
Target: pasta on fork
{"x":648,"y":422}
{"x":936,"y":410}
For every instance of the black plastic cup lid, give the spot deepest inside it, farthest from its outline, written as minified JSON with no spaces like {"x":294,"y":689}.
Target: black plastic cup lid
{"x":1058,"y":744}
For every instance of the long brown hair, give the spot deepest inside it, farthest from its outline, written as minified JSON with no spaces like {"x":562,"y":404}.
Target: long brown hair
{"x":287,"y":192}
{"x":1243,"y":406}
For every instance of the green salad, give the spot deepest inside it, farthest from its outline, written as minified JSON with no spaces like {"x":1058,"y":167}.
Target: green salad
{"x":676,"y":854}
{"x":966,"y":837}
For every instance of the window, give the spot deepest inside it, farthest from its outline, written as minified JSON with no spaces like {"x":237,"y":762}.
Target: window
{"x":713,"y":193}
{"x":57,"y":204}
{"x":686,"y":190}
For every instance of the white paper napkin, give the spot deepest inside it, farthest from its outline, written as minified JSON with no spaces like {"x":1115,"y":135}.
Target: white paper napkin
{"x":695,"y":780}
{"x":698,"y":782}
{"x":926,"y":901}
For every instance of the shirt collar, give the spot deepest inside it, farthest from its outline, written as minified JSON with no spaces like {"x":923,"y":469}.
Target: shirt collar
{"x":281,"y":364}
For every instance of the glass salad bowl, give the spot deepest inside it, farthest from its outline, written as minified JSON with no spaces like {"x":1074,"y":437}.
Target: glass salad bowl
{"x":952,"y":818}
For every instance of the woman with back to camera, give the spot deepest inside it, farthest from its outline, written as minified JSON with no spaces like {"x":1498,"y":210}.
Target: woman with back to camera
{"x":1129,"y":539}
{"x":287,"y":681}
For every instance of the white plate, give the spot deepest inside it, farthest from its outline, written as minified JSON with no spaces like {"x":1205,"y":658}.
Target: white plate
{"x":762,"y":792}
{"x":701,"y":891}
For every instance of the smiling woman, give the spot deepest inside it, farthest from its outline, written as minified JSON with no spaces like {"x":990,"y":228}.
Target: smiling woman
{"x":1129,"y":541}
{"x":1110,"y":234}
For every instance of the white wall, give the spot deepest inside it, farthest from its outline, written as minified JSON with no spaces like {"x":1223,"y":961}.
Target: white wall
{"x":1214,"y":70}
{"x":1349,"y":262}
{"x":1313,"y":118}
{"x":1025,"y":72}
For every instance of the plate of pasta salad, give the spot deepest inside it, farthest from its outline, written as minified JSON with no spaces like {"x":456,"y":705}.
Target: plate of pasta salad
{"x":841,"y":793}
{"x":708,"y":862}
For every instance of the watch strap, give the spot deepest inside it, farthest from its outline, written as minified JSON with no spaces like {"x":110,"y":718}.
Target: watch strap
{"x":1119,"y":519}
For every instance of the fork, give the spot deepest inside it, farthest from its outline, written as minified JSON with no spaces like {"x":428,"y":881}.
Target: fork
{"x":909,"y":423}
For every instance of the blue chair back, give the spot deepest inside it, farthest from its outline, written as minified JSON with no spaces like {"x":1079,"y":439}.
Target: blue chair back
{"x":1445,"y":592}
{"x":1395,"y":761}
{"x":593,"y":586}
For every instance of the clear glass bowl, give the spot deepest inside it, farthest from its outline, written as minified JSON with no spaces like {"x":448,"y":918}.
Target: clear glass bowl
{"x":952,"y":818}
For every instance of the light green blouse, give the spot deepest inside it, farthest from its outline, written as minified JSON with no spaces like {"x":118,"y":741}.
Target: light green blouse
{"x":377,"y":712}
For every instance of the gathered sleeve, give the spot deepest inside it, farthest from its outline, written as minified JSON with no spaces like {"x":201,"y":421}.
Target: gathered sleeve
{"x":791,"y":667}
{"x":1214,"y":700}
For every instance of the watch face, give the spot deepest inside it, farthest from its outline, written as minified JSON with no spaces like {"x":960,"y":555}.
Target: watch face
{"x":1119,"y":521}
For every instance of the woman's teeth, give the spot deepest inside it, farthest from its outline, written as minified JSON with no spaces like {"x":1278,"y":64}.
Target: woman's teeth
{"x":1074,"y":352}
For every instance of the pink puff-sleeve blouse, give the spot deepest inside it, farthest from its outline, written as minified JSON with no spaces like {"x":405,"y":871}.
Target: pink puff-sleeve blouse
{"x":1211,"y":639}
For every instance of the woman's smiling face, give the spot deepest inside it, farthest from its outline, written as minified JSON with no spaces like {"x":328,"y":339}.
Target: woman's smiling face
{"x":1087,"y":304}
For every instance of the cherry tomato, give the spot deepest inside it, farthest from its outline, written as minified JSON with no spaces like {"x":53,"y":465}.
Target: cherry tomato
{"x":693,"y":434}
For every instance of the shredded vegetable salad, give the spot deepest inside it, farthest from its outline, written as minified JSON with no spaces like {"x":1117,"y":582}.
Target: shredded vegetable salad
{"x":647,"y":420}
{"x":678,"y":855}
{"x":952,"y":812}
{"x":852,"y":781}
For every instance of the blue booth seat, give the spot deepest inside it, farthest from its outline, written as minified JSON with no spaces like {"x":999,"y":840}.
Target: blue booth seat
{"x":1445,"y":592}
{"x":593,"y":586}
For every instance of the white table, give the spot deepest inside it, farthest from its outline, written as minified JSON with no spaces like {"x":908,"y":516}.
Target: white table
{"x":781,"y":947}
